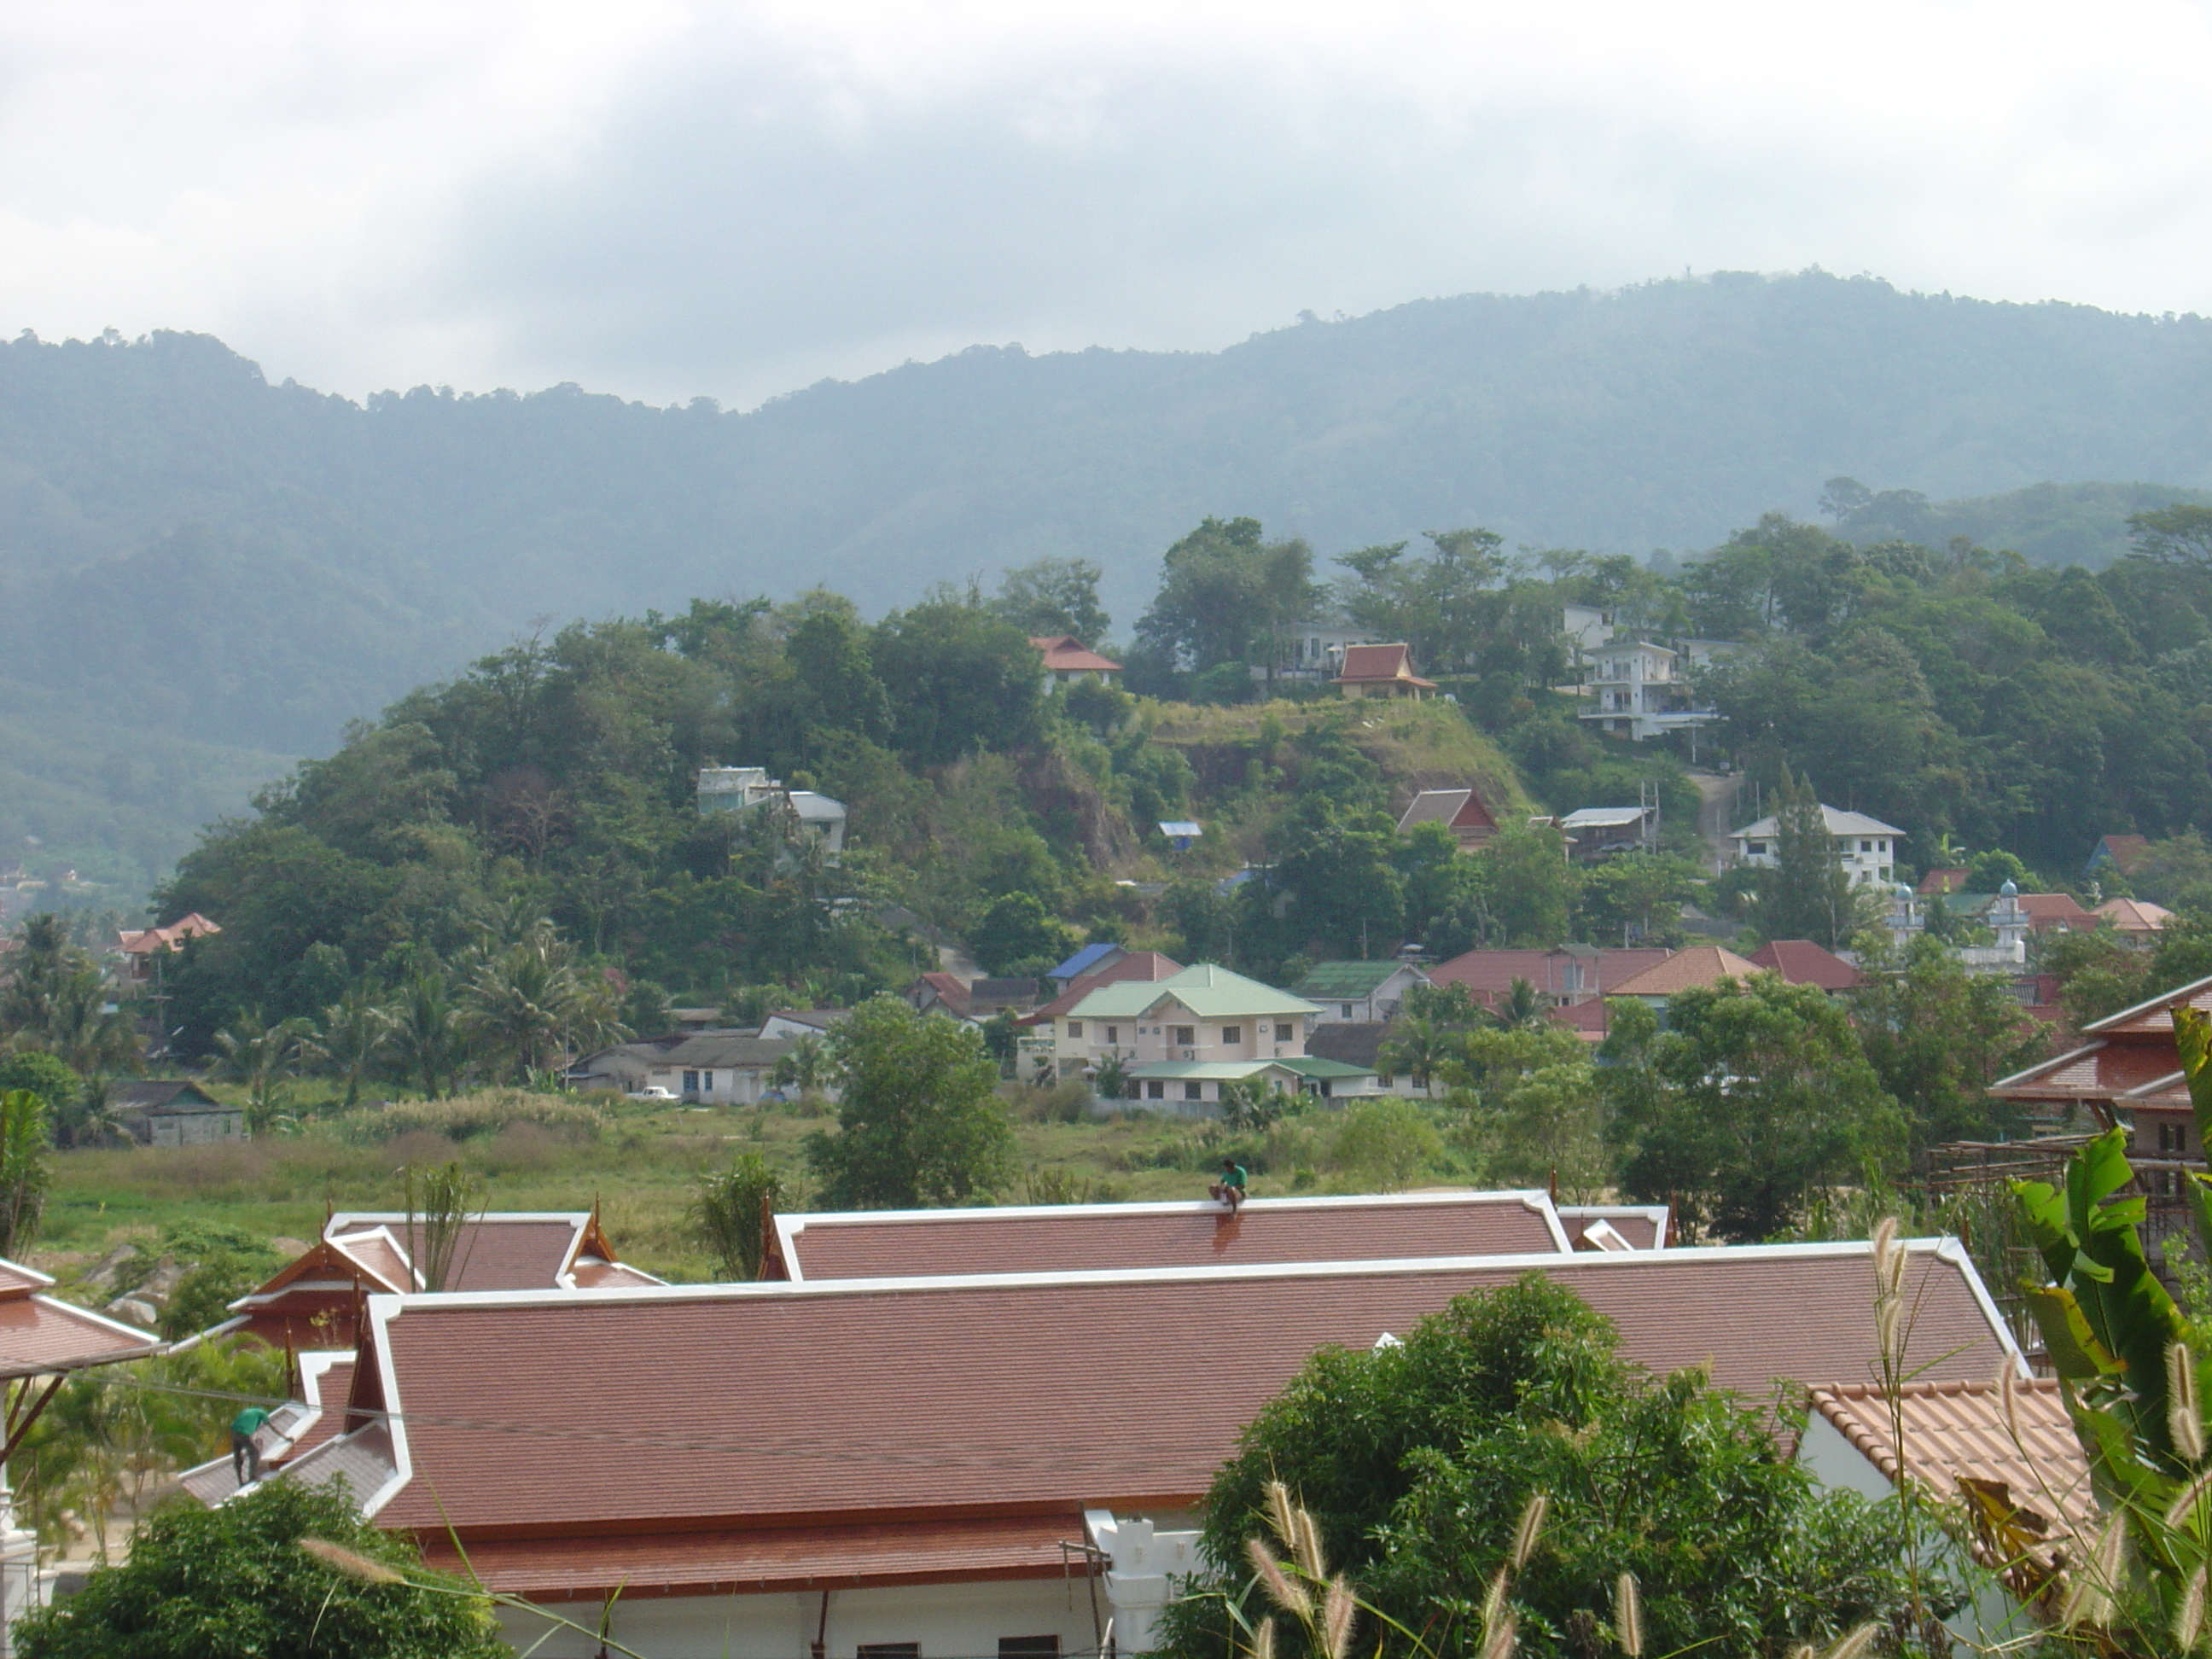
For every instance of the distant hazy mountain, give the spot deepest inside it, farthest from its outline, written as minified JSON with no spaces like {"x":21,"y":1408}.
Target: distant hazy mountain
{"x":189,"y":555}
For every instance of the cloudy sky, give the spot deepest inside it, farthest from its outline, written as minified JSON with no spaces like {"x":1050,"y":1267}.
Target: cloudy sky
{"x":670,"y":200}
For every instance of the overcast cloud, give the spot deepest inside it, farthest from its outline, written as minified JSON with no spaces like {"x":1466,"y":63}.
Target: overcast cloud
{"x":670,"y":200}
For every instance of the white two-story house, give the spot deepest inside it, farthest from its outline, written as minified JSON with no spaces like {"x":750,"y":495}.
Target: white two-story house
{"x":1866,"y":847}
{"x":1179,"y":1040}
{"x":1638,"y":690}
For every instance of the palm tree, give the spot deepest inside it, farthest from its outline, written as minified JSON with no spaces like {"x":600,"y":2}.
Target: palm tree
{"x":85,"y":1028}
{"x":427,"y":1038}
{"x":1415,"y":1045}
{"x":806,"y":1066}
{"x":24,"y":1170}
{"x":1521,"y":1009}
{"x":260,"y":1056}
{"x":354,"y":1030}
{"x":530,"y":999}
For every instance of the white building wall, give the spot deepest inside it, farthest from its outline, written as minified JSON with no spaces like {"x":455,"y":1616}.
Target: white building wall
{"x":949,"y":1622}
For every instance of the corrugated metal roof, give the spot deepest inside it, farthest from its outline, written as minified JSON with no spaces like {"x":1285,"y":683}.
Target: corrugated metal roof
{"x":1337,"y":981}
{"x":1210,"y":992}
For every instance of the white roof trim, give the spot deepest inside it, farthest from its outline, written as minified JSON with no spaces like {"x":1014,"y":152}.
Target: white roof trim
{"x":381,"y":1310}
{"x":2164,"y":998}
{"x":1572,"y":1261}
{"x":45,"y":1281}
{"x":1528,"y":1198}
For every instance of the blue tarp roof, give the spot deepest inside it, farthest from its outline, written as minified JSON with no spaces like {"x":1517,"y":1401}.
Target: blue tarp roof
{"x":1083,"y":961}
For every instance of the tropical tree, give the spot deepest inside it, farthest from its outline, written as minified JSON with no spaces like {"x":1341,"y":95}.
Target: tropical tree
{"x":1419,"y":1464}
{"x":353,"y":1034}
{"x":1226,"y":596}
{"x":25,"y":1169}
{"x":1808,"y":893}
{"x":427,"y":1037}
{"x":529,"y":1002}
{"x":210,"y":1583}
{"x":918,"y":1123}
{"x":1414,"y":1046}
{"x":730,"y":1214}
{"x":261,"y":1055}
{"x":1522,"y":1008}
{"x":1755,"y":1096}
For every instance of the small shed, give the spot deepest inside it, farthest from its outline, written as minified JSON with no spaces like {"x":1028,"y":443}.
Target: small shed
{"x":172,"y":1112}
{"x":1181,"y":834}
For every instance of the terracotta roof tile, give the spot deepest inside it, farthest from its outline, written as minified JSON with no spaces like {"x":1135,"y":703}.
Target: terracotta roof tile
{"x":1698,"y":966}
{"x":1101,"y":1238}
{"x":1380,"y":664}
{"x":1065,"y":653}
{"x":793,"y":1405}
{"x":1803,"y":962}
{"x":518,"y":1252}
{"x":39,"y":1334}
{"x":1959,"y":1429}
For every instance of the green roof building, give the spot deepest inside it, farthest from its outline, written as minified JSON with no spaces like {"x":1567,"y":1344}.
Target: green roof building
{"x":1359,"y":991}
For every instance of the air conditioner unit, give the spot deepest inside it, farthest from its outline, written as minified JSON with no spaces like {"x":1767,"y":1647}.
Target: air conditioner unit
{"x":1190,"y":1053}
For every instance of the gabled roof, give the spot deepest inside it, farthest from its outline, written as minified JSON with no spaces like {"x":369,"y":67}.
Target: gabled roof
{"x":166,"y":1096}
{"x":152,"y":941}
{"x":1803,"y":962}
{"x":506,"y":1251}
{"x":1603,"y":818}
{"x":1101,"y":1237}
{"x":1460,"y":810}
{"x":1380,"y":664}
{"x":509,"y":1418}
{"x":709,"y":1048}
{"x":1644,"y":1225}
{"x":1353,"y":1042}
{"x":2124,"y":851}
{"x":1065,"y":653}
{"x":1962,"y":1430}
{"x":41,"y":1335}
{"x":1149,"y":966}
{"x":2049,"y":910}
{"x":2153,"y":1016}
{"x":2128,"y":916}
{"x":1486,"y":972}
{"x":1839,"y":823}
{"x":1686,"y":970}
{"x":1208,"y":991}
{"x":1349,"y":982}
{"x":1086,"y":960}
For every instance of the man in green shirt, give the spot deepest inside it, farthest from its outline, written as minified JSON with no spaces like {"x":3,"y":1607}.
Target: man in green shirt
{"x":245,"y":1456}
{"x":1230,"y":1189}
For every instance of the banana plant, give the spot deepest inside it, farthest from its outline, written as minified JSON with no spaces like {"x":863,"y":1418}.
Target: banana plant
{"x":2132,"y":1364}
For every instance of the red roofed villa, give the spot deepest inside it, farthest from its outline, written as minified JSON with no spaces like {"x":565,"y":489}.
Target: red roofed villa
{"x":1067,"y":659}
{"x":1381,"y":671}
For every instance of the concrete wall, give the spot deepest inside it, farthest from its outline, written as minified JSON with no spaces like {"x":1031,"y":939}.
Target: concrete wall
{"x":195,"y":1128}
{"x":951,"y":1621}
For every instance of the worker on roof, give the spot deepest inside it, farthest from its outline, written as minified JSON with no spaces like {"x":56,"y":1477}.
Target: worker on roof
{"x":244,"y":1455}
{"x":1230,"y":1189}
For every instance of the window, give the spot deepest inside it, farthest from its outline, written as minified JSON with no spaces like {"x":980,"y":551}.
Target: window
{"x":1112,"y":1036}
{"x":1758,"y":850}
{"x":1344,"y":1011}
{"x":1866,"y":846}
{"x":890,"y":1650}
{"x":1186,"y":1037}
{"x":1282,"y":1033}
{"x":1029,"y":1647}
{"x":690,"y":1082}
{"x":1194,"y":1092}
{"x":1075,"y":1028}
{"x":1232,"y":1034}
{"x":1155,"y":1091}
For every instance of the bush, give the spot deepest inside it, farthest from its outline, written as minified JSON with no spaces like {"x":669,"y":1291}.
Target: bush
{"x":1382,"y":1145}
{"x":232,"y":1581}
{"x":469,"y":1117}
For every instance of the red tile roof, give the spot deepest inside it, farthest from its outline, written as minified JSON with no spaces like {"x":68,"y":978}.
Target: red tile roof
{"x":2049,"y":910}
{"x":2128,"y":916}
{"x":1698,"y":966}
{"x":39,"y":1334}
{"x":1488,"y":973}
{"x":1944,"y":881}
{"x":1380,"y":664}
{"x":2124,"y":851}
{"x":1961,"y":1430}
{"x":151,"y":941}
{"x":1101,"y":1238}
{"x":1803,"y":962}
{"x":510,"y":1252}
{"x":1644,"y":1225}
{"x":1065,"y":653}
{"x":688,"y":1409}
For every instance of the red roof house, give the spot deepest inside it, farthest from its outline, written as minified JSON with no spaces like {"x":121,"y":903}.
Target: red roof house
{"x":1381,"y":671}
{"x":1067,"y":659}
{"x":1460,"y":810}
{"x":863,"y":1457}
{"x":44,"y":1340}
{"x":2127,"y":1069}
{"x":1803,"y":962}
{"x":1565,"y":976}
{"x":313,"y":1301}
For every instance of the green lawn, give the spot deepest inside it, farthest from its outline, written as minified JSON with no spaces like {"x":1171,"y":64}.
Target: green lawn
{"x":641,"y":1168}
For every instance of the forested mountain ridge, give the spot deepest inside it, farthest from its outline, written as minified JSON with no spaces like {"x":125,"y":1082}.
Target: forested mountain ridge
{"x":189,"y":554}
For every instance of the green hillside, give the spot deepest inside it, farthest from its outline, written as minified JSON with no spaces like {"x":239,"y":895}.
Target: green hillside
{"x":195,"y":560}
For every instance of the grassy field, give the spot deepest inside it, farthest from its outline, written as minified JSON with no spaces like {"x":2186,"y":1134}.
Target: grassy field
{"x":641,"y":1165}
